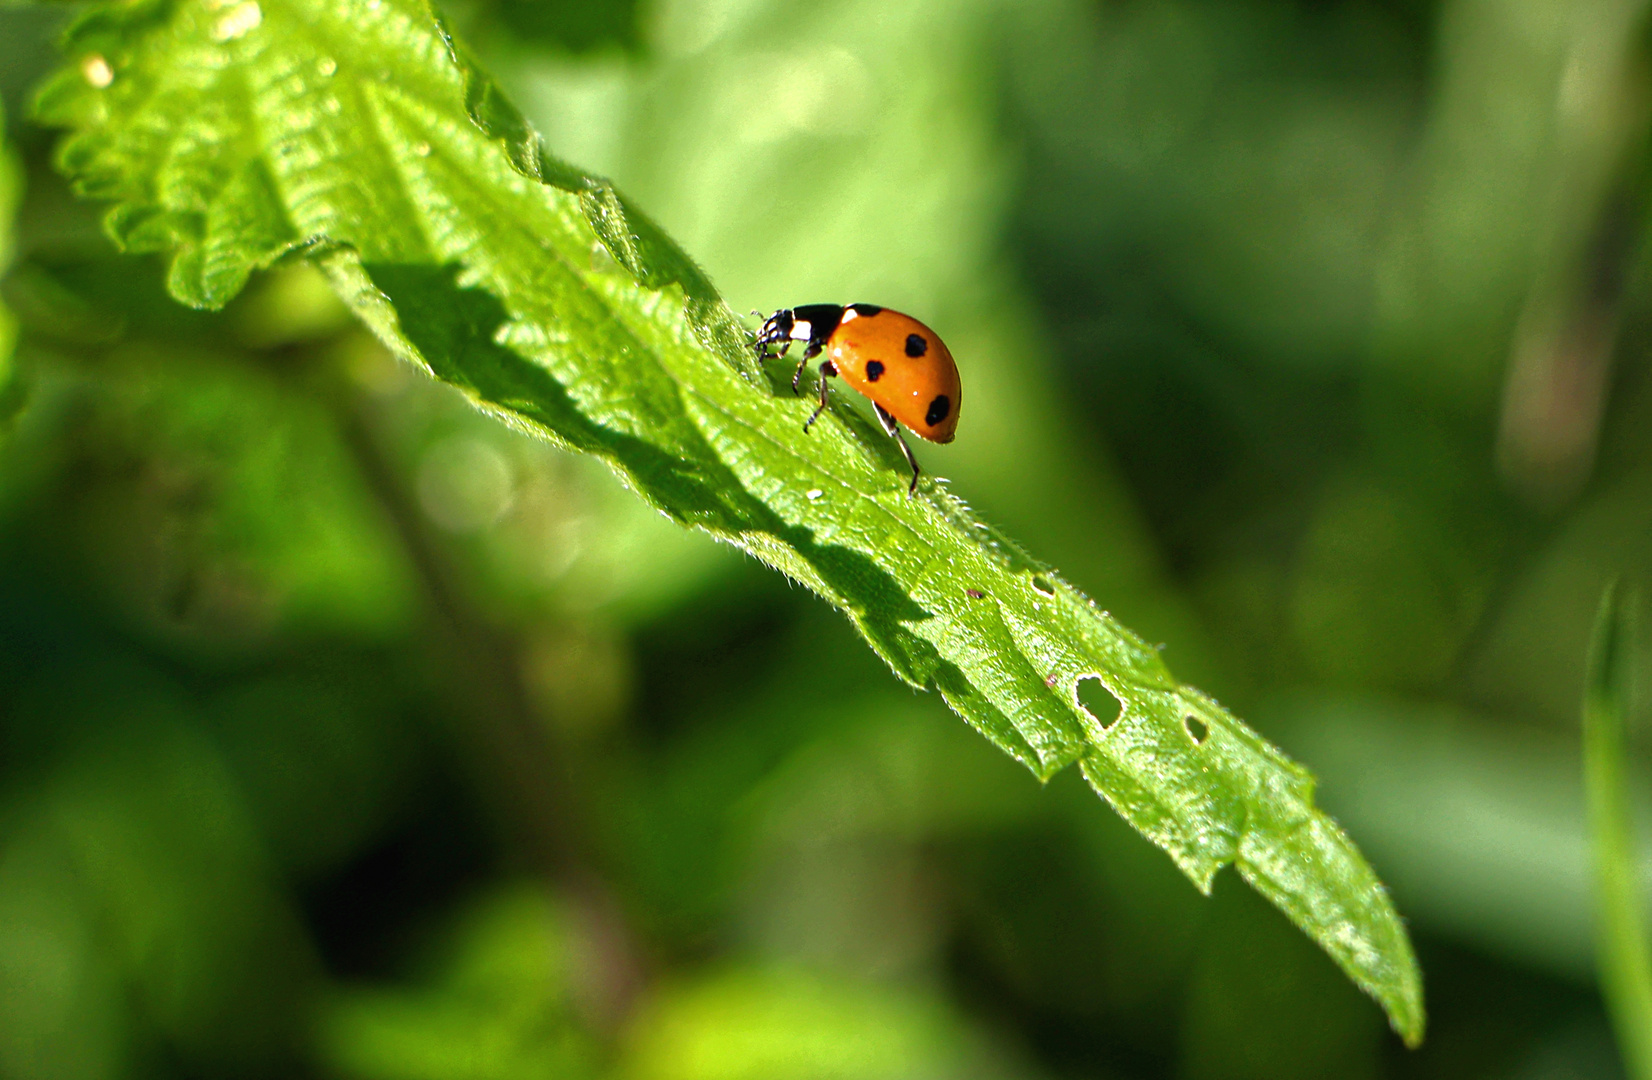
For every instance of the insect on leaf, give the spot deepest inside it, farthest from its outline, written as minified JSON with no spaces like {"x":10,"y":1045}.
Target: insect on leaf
{"x":229,"y":134}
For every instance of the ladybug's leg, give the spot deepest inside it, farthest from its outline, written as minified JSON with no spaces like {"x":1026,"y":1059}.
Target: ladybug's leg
{"x":827,"y":370}
{"x":811,"y":351}
{"x":762,"y":346}
{"x":890,"y":425}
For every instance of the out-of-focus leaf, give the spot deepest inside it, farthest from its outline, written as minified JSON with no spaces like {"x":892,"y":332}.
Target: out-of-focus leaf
{"x":780,"y":1025}
{"x":1622,"y":948}
{"x":1527,"y":657}
{"x":357,"y":131}
{"x":248,"y":514}
{"x":11,"y":197}
{"x":498,"y":1008}
{"x":578,"y":26}
{"x":1385,"y":593}
{"x":64,"y":1013}
{"x":319,"y":755}
{"x":136,"y":900}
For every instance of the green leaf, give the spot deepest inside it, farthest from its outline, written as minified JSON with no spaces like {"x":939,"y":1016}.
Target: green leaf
{"x":497,"y":1008}
{"x":774,"y":1024}
{"x":11,"y":197}
{"x":359,"y":134}
{"x":1621,"y":938}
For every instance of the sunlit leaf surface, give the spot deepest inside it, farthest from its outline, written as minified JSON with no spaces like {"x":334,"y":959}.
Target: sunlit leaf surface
{"x":230,"y":135}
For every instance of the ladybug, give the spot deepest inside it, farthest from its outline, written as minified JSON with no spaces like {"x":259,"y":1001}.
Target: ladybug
{"x":895,"y":360}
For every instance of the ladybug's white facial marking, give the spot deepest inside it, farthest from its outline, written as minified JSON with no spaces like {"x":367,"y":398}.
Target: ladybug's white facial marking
{"x":801,"y":330}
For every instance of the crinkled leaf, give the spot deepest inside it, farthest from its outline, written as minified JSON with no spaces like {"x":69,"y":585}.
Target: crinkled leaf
{"x":358,"y":133}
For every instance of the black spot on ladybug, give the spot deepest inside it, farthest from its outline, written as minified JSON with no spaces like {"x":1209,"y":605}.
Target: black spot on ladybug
{"x":874,"y":368}
{"x":937,"y":410}
{"x":865,"y":309}
{"x":916,"y":345}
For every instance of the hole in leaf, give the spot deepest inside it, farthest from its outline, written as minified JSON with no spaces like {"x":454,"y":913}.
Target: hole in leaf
{"x":1197,"y":729}
{"x":1100,"y":702}
{"x":1043,"y":585}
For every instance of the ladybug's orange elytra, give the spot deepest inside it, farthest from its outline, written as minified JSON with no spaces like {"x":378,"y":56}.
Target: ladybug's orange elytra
{"x":895,"y":360}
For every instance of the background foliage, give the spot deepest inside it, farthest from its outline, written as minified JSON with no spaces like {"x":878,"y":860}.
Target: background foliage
{"x":1306,"y":339}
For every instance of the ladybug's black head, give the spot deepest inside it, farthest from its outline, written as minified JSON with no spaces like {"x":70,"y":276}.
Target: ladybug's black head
{"x":811,"y":323}
{"x":778,"y":328}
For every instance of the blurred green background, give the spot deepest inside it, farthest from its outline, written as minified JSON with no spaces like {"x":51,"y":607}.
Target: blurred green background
{"x":345,"y":733}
